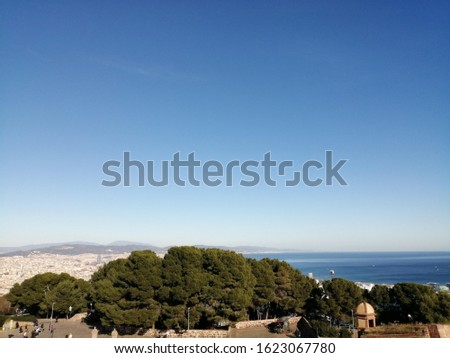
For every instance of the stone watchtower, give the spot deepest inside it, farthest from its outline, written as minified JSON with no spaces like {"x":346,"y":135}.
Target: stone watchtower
{"x":365,"y":316}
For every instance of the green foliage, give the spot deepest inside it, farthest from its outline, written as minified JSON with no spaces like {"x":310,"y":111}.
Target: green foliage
{"x":405,"y":302}
{"x":409,"y":302}
{"x":332,"y":304}
{"x":42,"y":292}
{"x":444,"y":307}
{"x":316,"y":306}
{"x":213,"y":285}
{"x":419,"y":303}
{"x":380,"y":298}
{"x":334,"y":301}
{"x":324,"y":330}
{"x":264,"y":290}
{"x":209,"y":287}
{"x":233,"y":282}
{"x":279,"y":290}
{"x":345,"y":333}
{"x":342,"y":297}
{"x":67,"y":293}
{"x":184,"y":283}
{"x":124,"y":290}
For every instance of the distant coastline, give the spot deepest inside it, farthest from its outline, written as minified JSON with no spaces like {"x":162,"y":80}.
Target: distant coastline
{"x":371,"y":267}
{"x":118,"y":247}
{"x":81,"y":247}
{"x":81,"y":259}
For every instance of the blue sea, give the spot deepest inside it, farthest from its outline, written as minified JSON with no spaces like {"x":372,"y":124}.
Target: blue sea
{"x":373,"y":267}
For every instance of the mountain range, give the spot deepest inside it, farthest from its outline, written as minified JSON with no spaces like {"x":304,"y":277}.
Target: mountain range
{"x":117,"y":247}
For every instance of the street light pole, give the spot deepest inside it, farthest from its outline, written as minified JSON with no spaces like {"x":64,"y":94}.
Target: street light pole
{"x":50,"y":328}
{"x":189,"y":310}
{"x":353,"y":321}
{"x":46,"y":289}
{"x":51,"y":315}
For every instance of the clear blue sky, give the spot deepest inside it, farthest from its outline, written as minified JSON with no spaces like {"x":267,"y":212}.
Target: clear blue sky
{"x":82,"y":82}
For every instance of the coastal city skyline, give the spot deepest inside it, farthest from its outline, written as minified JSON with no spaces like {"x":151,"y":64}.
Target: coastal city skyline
{"x":83,"y":83}
{"x":365,"y":269}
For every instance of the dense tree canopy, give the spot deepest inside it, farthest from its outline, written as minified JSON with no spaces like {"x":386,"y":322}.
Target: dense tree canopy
{"x":409,"y":302}
{"x":264,"y":290}
{"x":184,"y":287}
{"x":196,"y":287}
{"x":213,"y":285}
{"x":280,"y":289}
{"x":124,"y":290}
{"x":203,"y":288}
{"x":334,"y":301}
{"x":39,"y":294}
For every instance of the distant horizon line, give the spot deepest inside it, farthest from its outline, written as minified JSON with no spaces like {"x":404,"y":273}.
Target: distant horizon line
{"x":260,"y":249}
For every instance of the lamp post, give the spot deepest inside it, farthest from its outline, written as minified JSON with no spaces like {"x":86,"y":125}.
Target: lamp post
{"x":353,"y":320}
{"x":51,"y":315}
{"x":46,"y":289}
{"x":50,"y":328}
{"x":188,"y":314}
